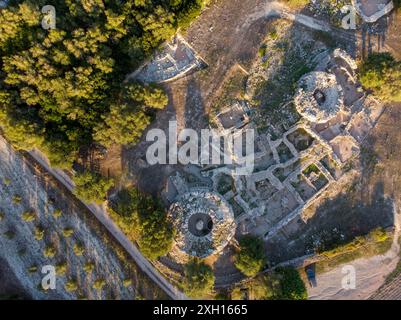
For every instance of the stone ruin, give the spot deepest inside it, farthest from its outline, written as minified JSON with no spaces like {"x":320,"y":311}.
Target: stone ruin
{"x":294,"y":168}
{"x":373,"y":10}
{"x":235,"y":116}
{"x":319,"y":97}
{"x":176,"y":59}
{"x":291,"y":169}
{"x":204,"y":222}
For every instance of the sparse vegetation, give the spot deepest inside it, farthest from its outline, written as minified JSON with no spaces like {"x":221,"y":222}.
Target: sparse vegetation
{"x":297,"y":4}
{"x":251,"y":257}
{"x":89,"y":267}
{"x":310,"y":169}
{"x":17,"y":199}
{"x":127,"y":283}
{"x":57,"y":213}
{"x":78,"y":249}
{"x":262,"y":51}
{"x":378,"y":241}
{"x":263,"y":287}
{"x":50,"y":251}
{"x":71,"y":286}
{"x":29,"y":216}
{"x":2,"y":215}
{"x":61,"y":268}
{"x":39,"y":233}
{"x":99,"y":284}
{"x":68,"y":232}
{"x":33,"y":269}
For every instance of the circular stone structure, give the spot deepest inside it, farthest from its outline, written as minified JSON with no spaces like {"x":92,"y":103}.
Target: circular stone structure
{"x":204,"y":221}
{"x":319,"y":97}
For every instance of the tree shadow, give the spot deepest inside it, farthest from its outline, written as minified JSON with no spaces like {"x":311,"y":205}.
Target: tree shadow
{"x":336,"y":221}
{"x":189,"y":113}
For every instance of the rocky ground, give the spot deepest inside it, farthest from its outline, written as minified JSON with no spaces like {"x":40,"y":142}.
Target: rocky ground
{"x":43,"y":224}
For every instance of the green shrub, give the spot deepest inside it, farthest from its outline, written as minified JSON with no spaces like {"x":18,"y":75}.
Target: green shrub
{"x":78,"y":249}
{"x":381,"y":73}
{"x":99,"y":284}
{"x":127,"y":283}
{"x":143,"y":219}
{"x":262,"y":287}
{"x":292,"y":286}
{"x":89,"y":267}
{"x":251,"y":257}
{"x":57,"y":213}
{"x":68,"y":232}
{"x":50,"y":251}
{"x":17,"y":199}
{"x":198,"y":279}
{"x":71,"y":286}
{"x":33,"y":269}
{"x":91,"y":187}
{"x":61,"y":268}
{"x":28,"y":216}
{"x":262,"y":51}
{"x":379,"y":235}
{"x":39,"y":233}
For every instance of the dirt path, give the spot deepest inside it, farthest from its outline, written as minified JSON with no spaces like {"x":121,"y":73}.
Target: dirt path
{"x":274,"y":9}
{"x":370,"y":273}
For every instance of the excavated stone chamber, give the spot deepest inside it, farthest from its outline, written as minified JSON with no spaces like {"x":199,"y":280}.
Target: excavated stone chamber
{"x":204,"y":222}
{"x":319,"y":97}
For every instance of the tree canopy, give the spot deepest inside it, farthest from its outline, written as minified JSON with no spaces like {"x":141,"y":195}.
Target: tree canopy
{"x":381,"y":73}
{"x":198,"y":280}
{"x":251,"y":257}
{"x":291,"y":284}
{"x":91,"y":187}
{"x":143,"y":219}
{"x":156,"y":232}
{"x":63,"y":88}
{"x":278,"y":284}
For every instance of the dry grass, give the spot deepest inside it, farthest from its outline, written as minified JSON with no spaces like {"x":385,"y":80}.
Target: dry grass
{"x":363,"y":247}
{"x":296,"y":4}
